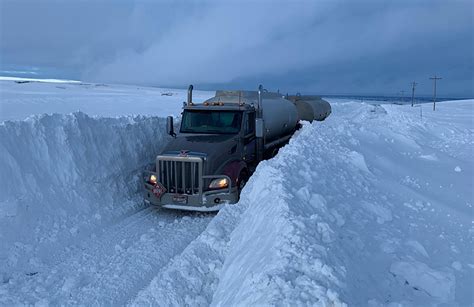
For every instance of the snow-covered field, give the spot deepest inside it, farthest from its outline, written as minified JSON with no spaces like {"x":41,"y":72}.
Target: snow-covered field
{"x":20,"y":100}
{"x":371,"y":207}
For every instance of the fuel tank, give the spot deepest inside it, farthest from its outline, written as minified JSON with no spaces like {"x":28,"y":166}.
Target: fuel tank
{"x":280,"y":116}
{"x":311,"y":107}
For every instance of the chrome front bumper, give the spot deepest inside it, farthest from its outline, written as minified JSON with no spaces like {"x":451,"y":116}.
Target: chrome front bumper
{"x":184,"y":181}
{"x":208,"y":201}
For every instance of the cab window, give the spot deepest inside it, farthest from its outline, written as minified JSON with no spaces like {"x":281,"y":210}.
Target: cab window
{"x":249,"y":123}
{"x":211,"y":121}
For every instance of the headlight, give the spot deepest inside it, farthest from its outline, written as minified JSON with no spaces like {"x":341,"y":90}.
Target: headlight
{"x":219,"y":183}
{"x":153,"y":179}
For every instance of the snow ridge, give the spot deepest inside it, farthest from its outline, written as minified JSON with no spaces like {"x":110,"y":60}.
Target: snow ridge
{"x":347,"y":212}
{"x":63,"y":175}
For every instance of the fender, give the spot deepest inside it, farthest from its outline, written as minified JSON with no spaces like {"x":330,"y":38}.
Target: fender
{"x":233,"y":169}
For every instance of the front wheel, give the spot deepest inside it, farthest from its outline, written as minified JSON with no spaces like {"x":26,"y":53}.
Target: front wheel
{"x":242,"y":181}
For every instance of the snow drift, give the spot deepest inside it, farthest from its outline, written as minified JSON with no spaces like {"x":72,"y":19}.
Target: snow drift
{"x":351,"y":211}
{"x":63,"y":175}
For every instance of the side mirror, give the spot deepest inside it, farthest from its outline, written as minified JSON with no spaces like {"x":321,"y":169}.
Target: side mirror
{"x":259,"y":127}
{"x":170,"y":126}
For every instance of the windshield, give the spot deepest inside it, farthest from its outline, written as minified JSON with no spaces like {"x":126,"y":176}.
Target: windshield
{"x":218,"y":122}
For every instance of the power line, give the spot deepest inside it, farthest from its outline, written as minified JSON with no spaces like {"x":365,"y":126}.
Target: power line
{"x":413,"y":85}
{"x":435,"y":78}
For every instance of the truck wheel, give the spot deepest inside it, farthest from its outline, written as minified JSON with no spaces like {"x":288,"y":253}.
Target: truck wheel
{"x":242,"y":181}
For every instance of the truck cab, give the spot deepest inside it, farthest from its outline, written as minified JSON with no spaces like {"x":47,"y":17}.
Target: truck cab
{"x":206,"y":164}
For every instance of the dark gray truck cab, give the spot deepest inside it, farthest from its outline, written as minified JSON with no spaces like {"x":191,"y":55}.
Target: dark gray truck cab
{"x":219,"y":144}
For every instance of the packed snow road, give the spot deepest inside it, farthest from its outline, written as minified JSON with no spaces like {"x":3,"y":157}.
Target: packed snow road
{"x":110,"y":267}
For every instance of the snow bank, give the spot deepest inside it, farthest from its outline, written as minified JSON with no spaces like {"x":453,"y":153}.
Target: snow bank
{"x":346,"y":213}
{"x":63,"y":175}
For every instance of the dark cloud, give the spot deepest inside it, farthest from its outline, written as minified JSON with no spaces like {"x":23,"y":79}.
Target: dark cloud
{"x":311,"y":46}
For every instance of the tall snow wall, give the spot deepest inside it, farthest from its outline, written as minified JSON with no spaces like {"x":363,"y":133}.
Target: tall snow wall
{"x":348,"y":211}
{"x":63,"y":175}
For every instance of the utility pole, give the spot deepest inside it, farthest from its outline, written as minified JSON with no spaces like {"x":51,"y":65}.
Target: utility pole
{"x":413,"y":84}
{"x":434,"y":94}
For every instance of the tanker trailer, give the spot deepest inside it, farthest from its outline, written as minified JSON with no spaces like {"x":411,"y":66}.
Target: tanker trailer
{"x":219,"y":144}
{"x":311,"y":107}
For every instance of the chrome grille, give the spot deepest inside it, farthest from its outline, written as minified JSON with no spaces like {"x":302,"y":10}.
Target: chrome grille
{"x":180,"y":175}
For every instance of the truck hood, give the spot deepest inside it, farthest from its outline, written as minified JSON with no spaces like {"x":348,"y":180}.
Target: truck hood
{"x":218,"y":148}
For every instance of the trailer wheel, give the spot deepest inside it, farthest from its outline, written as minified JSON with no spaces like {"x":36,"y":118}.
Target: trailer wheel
{"x":271,"y":153}
{"x":274,"y":152}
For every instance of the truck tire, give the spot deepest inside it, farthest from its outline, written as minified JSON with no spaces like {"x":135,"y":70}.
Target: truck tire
{"x":242,"y":181}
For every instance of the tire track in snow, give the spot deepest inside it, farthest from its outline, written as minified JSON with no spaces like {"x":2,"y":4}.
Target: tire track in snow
{"x":110,"y":268}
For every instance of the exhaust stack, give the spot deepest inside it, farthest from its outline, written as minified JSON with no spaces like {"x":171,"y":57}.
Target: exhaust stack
{"x":190,"y":95}
{"x":260,"y":125}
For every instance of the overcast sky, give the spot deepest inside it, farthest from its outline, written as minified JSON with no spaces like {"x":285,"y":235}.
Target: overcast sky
{"x":321,"y":47}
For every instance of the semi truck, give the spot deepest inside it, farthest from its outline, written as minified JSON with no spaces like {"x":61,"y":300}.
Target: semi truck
{"x":220,"y":142}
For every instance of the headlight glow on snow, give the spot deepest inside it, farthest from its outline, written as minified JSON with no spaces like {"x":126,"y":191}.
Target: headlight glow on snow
{"x":219,"y":183}
{"x":153,"y":179}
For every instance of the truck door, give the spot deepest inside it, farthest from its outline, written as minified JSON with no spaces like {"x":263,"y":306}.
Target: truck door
{"x":249,"y":153}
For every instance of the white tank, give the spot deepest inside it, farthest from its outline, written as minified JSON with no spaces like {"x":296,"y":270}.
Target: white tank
{"x":280,"y":117}
{"x":311,"y":107}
